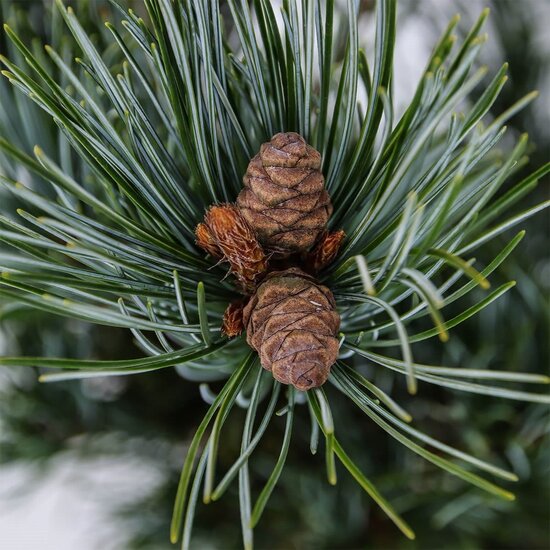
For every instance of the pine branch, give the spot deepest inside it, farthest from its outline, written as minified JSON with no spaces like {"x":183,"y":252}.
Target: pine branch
{"x":146,"y":127}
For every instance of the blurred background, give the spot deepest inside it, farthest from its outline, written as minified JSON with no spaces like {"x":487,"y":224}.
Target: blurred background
{"x":94,"y":464}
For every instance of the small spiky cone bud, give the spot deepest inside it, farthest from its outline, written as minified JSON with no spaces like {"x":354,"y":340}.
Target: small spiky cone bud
{"x":291,"y":321}
{"x":284,"y":200}
{"x":226,"y":234}
{"x":233,"y":319}
{"x":325,"y":251}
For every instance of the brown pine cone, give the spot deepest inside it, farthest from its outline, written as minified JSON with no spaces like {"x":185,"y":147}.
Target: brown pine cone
{"x":292,"y":322}
{"x":284,"y":200}
{"x":226,"y":234}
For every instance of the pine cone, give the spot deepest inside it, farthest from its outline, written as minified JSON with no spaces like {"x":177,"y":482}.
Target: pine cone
{"x":293,"y":324}
{"x":226,"y":234}
{"x":284,"y":200}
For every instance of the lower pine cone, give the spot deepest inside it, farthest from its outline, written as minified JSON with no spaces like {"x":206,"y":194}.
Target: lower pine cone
{"x":292,"y":322}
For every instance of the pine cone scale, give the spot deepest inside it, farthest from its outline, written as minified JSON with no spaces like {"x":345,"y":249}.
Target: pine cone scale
{"x":283,"y":217}
{"x":296,"y":341}
{"x":316,"y":328}
{"x":290,"y":177}
{"x":280,"y":322}
{"x":269,"y":193}
{"x":302,"y":203}
{"x":261,"y":323}
{"x":311,"y":184}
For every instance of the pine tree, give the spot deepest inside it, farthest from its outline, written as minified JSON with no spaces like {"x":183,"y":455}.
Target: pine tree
{"x":159,"y":119}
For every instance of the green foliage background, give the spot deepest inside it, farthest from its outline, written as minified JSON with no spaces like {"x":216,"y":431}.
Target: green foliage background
{"x":39,"y":420}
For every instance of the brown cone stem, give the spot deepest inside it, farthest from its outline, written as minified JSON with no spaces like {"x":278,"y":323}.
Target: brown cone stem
{"x":284,"y":200}
{"x":293,"y":324}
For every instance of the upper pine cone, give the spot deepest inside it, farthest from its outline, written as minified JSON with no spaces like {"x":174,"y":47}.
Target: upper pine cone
{"x":284,"y":200}
{"x":292,"y":322}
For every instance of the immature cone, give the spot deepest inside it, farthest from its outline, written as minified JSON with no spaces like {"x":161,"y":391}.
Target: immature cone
{"x":292,"y":322}
{"x":284,"y":199}
{"x":225,"y":234}
{"x":233,"y":319}
{"x":325,"y":251}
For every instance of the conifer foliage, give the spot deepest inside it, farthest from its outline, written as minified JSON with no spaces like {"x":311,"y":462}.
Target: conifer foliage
{"x":163,"y":116}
